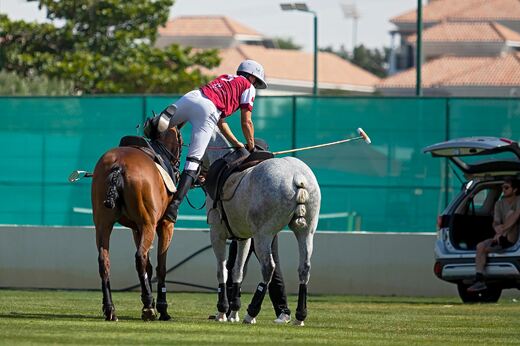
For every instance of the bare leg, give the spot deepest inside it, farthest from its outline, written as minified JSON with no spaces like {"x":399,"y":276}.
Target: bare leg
{"x":483,"y":248}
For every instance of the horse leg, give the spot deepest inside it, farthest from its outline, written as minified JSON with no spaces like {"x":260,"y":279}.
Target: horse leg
{"x":305,"y":243}
{"x":103,"y":245}
{"x":238,"y":276}
{"x":141,"y":264}
{"x":265,"y":257}
{"x":165,"y":233}
{"x":219,"y":248}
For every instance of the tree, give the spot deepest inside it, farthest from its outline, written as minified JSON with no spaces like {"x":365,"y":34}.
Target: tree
{"x":286,"y":43}
{"x":13,"y":85}
{"x":373,"y":61}
{"x":103,"y":47}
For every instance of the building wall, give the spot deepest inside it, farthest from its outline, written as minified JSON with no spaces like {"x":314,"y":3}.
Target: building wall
{"x":433,"y":50}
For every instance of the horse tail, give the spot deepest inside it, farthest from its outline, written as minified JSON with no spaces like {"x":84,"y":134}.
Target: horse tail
{"x":302,"y":196}
{"x":115,"y":184}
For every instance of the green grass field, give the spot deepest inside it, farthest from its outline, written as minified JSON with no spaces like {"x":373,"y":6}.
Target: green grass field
{"x":74,"y":318}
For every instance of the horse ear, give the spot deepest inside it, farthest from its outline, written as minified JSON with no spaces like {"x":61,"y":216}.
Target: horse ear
{"x":181,"y":125}
{"x":149,"y":129}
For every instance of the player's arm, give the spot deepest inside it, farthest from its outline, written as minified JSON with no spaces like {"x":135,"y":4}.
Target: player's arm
{"x":247,"y":128}
{"x":226,"y":131}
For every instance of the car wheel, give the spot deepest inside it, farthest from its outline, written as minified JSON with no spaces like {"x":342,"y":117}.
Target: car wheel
{"x":491,"y":295}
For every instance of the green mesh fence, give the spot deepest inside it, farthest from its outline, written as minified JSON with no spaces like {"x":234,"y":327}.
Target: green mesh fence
{"x":389,"y":186}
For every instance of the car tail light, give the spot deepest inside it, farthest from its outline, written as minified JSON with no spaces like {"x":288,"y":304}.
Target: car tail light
{"x":437,"y":269}
{"x":442,"y":221}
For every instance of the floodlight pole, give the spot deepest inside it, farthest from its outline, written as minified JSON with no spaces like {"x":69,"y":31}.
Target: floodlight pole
{"x":315,"y":75}
{"x":418,"y":54}
{"x":302,"y":7}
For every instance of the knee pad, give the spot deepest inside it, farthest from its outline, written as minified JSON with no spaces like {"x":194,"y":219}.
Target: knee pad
{"x":199,"y":166}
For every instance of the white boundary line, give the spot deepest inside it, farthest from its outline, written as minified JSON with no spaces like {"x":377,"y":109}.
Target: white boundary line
{"x":203,"y":218}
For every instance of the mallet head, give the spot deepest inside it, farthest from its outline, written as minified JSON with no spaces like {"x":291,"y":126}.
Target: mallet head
{"x":77,"y":175}
{"x":364,"y":135}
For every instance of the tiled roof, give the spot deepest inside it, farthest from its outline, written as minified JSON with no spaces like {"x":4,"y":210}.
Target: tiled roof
{"x":464,"y":10}
{"x":491,"y":10}
{"x":296,"y":66}
{"x":205,"y":26}
{"x":503,"y":71}
{"x":468,"y":32}
{"x":461,"y":71}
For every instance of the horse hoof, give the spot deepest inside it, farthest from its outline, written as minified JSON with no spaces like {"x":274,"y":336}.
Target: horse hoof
{"x":111,"y":317}
{"x":148,"y":314}
{"x":249,"y":320}
{"x":298,"y":323}
{"x":220,"y":317}
{"x":233,"y":317}
{"x":165,"y":317}
{"x":110,"y":313}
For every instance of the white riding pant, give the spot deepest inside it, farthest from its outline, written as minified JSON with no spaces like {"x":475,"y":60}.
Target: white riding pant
{"x":203,"y":116}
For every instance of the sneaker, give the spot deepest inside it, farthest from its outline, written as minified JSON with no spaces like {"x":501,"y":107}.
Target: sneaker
{"x":283,"y":318}
{"x":478,"y":286}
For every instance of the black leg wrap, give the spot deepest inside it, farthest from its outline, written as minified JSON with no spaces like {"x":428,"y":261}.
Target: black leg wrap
{"x":162,"y":304}
{"x":234,"y":298}
{"x":256,"y":303}
{"x":146,"y":293}
{"x":108,"y":307}
{"x":301,"y":310}
{"x":223,"y":304}
{"x":107,"y":294}
{"x":161,"y":293}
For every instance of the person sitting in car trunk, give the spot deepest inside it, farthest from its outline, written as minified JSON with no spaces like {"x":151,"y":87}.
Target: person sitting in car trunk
{"x":506,"y":225}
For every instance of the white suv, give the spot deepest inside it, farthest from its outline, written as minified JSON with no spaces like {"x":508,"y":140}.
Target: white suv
{"x":467,"y":220}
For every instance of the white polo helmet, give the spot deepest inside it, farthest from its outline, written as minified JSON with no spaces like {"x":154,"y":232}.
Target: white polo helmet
{"x":254,"y":69}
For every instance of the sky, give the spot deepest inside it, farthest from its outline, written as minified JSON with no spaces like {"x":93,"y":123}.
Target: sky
{"x":266,"y":17}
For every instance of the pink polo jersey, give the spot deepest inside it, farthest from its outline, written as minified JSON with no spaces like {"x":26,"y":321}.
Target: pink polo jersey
{"x":230,"y":92}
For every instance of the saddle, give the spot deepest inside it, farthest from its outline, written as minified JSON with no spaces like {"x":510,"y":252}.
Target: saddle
{"x":156,"y":151}
{"x":222,"y":169}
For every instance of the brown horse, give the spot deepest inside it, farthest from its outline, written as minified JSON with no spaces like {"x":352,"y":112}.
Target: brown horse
{"x":127,"y":188}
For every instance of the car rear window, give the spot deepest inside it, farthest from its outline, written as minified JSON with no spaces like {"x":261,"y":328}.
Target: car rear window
{"x":503,"y":156}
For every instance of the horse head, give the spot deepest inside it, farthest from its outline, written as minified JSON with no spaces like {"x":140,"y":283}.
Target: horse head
{"x":171,"y":138}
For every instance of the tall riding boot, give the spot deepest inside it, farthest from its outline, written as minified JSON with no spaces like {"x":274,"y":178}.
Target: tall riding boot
{"x":187,"y":179}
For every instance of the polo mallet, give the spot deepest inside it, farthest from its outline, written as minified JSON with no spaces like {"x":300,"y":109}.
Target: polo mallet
{"x":77,"y":175}
{"x":362,"y":135}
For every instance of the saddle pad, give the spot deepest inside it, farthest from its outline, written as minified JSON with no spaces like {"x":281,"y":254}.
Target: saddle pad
{"x":168,"y":182}
{"x":231,"y":184}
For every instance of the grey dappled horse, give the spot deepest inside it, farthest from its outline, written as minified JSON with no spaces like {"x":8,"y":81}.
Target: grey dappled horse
{"x":271,"y":195}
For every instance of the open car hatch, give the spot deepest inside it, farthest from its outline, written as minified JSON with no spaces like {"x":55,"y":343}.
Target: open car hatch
{"x":480,"y":155}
